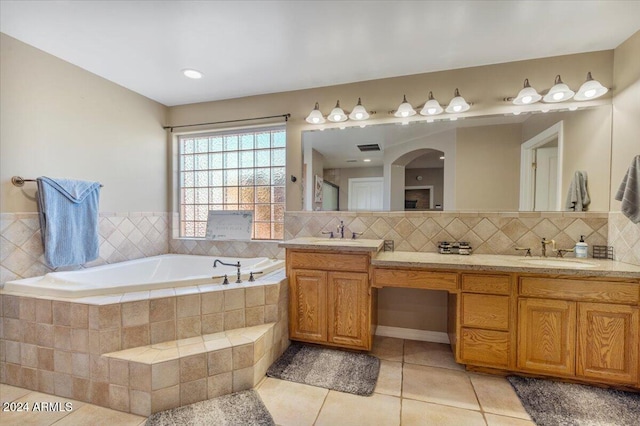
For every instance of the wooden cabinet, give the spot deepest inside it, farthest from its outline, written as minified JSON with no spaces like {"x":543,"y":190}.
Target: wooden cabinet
{"x":608,"y":342}
{"x":485,"y":321}
{"x":546,"y":336}
{"x":587,"y":329}
{"x":329,"y":298}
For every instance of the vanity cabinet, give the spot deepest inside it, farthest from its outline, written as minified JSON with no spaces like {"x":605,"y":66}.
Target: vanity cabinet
{"x":486,"y":314}
{"x":579,"y":328}
{"x":330,"y":298}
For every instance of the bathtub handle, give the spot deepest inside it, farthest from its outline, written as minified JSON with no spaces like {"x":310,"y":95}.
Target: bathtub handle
{"x":251,"y":278}
{"x":226,"y":278}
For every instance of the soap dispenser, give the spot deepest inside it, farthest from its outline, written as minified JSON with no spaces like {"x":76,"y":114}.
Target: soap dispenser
{"x":582,"y":248}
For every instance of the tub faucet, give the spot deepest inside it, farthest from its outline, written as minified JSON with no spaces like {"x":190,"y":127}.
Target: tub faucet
{"x":341,"y":229}
{"x":237,"y":265}
{"x":544,"y":245}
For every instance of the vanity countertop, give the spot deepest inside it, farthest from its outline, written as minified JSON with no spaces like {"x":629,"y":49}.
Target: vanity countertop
{"x":503,"y":263}
{"x":329,"y":244}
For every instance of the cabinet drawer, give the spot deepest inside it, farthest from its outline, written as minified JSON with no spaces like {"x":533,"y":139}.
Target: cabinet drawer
{"x":485,"y":311}
{"x":329,"y":261}
{"x":408,"y":278}
{"x":591,"y":291}
{"x":492,"y":284}
{"x":484,"y":347}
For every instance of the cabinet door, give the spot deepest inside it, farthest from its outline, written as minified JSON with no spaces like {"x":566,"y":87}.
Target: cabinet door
{"x":547,"y":336}
{"x":348,"y":306}
{"x":608,"y":342}
{"x":308,"y":305}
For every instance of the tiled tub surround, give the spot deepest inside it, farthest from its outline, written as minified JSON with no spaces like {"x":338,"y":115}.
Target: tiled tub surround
{"x":487,"y":233}
{"x":624,"y":236}
{"x":123,"y":236}
{"x":125,"y":351}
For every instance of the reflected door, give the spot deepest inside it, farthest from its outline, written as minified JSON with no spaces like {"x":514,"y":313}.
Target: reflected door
{"x":546,"y":182}
{"x":365,"y":194}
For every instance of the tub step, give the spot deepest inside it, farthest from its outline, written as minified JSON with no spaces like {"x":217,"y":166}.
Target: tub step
{"x":181,"y":372}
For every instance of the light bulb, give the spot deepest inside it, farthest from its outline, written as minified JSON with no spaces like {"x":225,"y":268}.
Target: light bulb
{"x":527,"y":99}
{"x":557,"y":96}
{"x":590,"y":93}
{"x":359,"y":116}
{"x":431,"y":111}
{"x":315,"y":120}
{"x":457,"y":108}
{"x":336,"y":117}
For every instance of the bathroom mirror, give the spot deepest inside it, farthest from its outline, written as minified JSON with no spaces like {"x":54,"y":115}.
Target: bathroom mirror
{"x":509,"y":162}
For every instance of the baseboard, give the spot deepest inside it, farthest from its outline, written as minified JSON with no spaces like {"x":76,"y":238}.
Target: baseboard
{"x":412,"y":334}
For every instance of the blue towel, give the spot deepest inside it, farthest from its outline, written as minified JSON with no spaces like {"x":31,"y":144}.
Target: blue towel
{"x":68,"y":220}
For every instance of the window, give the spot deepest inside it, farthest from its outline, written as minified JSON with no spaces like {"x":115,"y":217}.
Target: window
{"x":233,"y":170}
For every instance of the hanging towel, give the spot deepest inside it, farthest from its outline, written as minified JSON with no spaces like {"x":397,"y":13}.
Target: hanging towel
{"x":68,"y":212}
{"x":578,"y":196}
{"x":629,"y":192}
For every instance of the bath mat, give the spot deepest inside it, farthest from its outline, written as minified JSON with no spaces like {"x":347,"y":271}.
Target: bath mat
{"x":236,"y":409}
{"x":552,"y":403}
{"x":328,"y":368}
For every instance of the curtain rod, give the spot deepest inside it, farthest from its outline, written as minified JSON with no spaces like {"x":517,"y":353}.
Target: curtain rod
{"x":286,"y":118}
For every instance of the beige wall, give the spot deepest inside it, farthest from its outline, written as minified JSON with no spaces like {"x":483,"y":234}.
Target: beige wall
{"x":61,"y":121}
{"x":488,"y":168}
{"x":430,"y":176}
{"x":587,"y":147}
{"x":626,"y":111}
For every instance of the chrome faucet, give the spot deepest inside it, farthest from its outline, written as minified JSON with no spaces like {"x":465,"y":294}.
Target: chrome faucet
{"x":236,"y":265}
{"x":341,"y":229}
{"x":544,"y":245}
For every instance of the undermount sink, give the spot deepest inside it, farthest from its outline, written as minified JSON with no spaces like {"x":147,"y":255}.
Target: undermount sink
{"x":560,"y":263}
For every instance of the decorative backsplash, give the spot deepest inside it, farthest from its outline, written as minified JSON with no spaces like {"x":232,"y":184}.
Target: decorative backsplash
{"x":624,"y":236}
{"x":123,"y":236}
{"x":489,"y":233}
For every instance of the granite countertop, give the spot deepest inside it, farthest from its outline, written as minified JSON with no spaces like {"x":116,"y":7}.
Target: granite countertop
{"x":332,"y":244}
{"x":502,"y":263}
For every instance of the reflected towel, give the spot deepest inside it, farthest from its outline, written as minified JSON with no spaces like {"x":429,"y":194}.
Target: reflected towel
{"x":68,"y":212}
{"x":578,"y":195}
{"x":629,"y":192}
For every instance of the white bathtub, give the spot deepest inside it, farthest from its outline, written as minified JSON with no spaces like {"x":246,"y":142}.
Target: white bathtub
{"x":151,"y":273}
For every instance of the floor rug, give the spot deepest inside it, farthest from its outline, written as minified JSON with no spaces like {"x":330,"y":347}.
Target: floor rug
{"x":236,"y":409}
{"x":338,"y":370}
{"x":551,"y":403}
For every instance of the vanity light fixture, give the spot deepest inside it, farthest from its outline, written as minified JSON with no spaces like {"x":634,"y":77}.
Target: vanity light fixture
{"x":457,"y":104}
{"x":191,"y":73}
{"x":337,"y":114}
{"x":359,"y":112}
{"x":405,"y":109}
{"x":431,"y":107}
{"x":559,"y":92}
{"x":528,"y":95}
{"x":315,"y":116}
{"x":590,"y":89}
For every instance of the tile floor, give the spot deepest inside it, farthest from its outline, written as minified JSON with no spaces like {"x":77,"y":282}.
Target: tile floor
{"x":419,"y":384}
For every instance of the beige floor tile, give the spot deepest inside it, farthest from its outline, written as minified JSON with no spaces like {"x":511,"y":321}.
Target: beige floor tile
{"x":291,"y":403}
{"x":431,"y":354}
{"x":494,"y":420}
{"x":388,"y":348}
{"x":423,"y":413}
{"x":345,"y":409}
{"x":11,"y":393}
{"x":390,"y":378}
{"x":39,"y":418}
{"x":497,"y":396}
{"x":100,"y":416}
{"x":438,"y":385}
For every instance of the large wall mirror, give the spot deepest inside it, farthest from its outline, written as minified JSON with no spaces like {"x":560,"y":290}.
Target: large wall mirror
{"x":523,"y":162}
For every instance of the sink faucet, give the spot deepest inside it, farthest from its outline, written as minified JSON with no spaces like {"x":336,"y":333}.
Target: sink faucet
{"x":237,"y":265}
{"x":341,"y":229}
{"x":544,"y":245}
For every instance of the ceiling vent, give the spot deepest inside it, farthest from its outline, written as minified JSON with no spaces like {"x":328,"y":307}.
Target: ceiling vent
{"x":369,"y":147}
{"x":352,"y":161}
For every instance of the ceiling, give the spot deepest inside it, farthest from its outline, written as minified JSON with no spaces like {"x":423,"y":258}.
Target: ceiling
{"x":247,"y":48}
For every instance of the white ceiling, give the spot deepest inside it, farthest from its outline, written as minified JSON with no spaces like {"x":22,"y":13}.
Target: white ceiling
{"x":254,"y":47}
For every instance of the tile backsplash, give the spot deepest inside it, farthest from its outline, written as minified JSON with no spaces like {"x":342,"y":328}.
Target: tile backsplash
{"x":488,"y":233}
{"x":624,"y":236}
{"x":123,"y":236}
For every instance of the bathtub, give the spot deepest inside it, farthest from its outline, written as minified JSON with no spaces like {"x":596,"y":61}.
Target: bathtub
{"x":150,"y":273}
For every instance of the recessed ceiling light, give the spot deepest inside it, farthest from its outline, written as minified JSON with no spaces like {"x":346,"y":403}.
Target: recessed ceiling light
{"x":442,"y":157}
{"x":195,"y":74}
{"x":367,"y":160}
